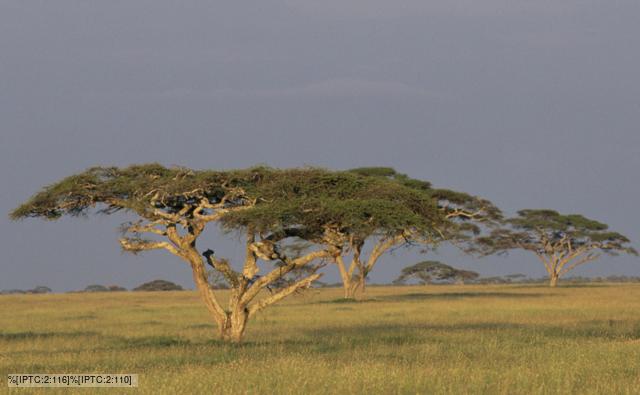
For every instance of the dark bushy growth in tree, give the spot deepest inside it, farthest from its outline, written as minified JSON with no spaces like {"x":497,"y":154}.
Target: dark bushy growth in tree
{"x":433,"y":271}
{"x":561,"y":242}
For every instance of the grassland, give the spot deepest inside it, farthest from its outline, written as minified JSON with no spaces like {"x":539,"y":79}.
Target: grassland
{"x":408,"y":340}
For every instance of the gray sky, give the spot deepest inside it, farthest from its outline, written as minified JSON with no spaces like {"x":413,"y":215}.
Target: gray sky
{"x":529,"y":103}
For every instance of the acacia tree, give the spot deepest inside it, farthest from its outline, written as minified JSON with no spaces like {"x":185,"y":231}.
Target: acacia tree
{"x":428,"y":271}
{"x":173,"y":207}
{"x":561,"y":242}
{"x":377,"y":206}
{"x":459,"y":218}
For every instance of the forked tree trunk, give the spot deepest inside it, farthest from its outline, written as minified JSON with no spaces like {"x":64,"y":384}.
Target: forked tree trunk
{"x":351,"y":288}
{"x":234,"y":326}
{"x":347,"y":286}
{"x":362,"y":283}
{"x":231,"y":324}
{"x":553,"y":280}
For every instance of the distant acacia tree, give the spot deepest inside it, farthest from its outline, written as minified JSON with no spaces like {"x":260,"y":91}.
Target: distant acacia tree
{"x":561,"y":242}
{"x":173,"y":207}
{"x":429,"y":271}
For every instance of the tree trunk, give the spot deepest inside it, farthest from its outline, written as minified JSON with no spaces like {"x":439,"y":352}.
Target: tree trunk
{"x":553,"y":280}
{"x":352,"y":288}
{"x":234,"y":326}
{"x":347,"y":281}
{"x":362,"y":282}
{"x":349,"y":288}
{"x":231,"y":324}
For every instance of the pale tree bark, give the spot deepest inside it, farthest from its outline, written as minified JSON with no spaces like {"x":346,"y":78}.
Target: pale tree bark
{"x":560,"y":258}
{"x":245,"y":290}
{"x":245,"y":285}
{"x":553,"y":280}
{"x":354,"y":277}
{"x":349,"y":284}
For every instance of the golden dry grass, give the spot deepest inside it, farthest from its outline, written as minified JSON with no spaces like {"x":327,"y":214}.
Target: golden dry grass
{"x":407,"y":340}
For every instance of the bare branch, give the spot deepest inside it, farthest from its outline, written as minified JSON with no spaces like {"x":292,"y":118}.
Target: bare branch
{"x":151,"y":227}
{"x":460,"y":213}
{"x":383,"y":246}
{"x":222,"y":266}
{"x":304,"y":283}
{"x":250,"y":268}
{"x":585,"y":259}
{"x":280,"y":272}
{"x":139,"y":245}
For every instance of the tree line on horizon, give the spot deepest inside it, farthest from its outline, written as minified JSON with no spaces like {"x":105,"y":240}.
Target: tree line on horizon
{"x":297,"y":221}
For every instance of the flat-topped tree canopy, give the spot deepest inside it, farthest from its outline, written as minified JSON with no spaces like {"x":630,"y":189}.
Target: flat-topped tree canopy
{"x":391,"y":173}
{"x":143,"y":189}
{"x":455,"y":203}
{"x":342,"y":201}
{"x":464,"y":213}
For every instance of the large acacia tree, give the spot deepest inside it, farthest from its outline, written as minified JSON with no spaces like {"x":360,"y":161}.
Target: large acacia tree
{"x":173,"y":207}
{"x":375,"y":206}
{"x":561,"y":242}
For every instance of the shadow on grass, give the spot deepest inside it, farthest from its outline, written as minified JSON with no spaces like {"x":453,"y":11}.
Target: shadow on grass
{"x":438,"y":296}
{"x":211,"y":326}
{"x":596,"y":329}
{"x":148,"y":342}
{"x":398,"y":335}
{"x":332,"y":343}
{"x":29,"y":335}
{"x":460,"y":295}
{"x":348,"y":301}
{"x":80,"y":317}
{"x":580,"y":285}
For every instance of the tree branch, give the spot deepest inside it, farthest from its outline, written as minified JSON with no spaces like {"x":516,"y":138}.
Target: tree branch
{"x":381,"y":247}
{"x":280,"y":272}
{"x":544,"y":262}
{"x":588,"y":258}
{"x":222,"y":265}
{"x":304,"y":283}
{"x":139,"y":245}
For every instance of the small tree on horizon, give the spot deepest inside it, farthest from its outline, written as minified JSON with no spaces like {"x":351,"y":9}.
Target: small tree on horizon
{"x":561,"y":242}
{"x":426,"y":272}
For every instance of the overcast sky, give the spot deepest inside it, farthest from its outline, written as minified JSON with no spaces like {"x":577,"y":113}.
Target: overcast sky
{"x":531,"y":104}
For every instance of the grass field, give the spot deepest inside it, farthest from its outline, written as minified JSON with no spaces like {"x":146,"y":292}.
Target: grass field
{"x":439,"y":339}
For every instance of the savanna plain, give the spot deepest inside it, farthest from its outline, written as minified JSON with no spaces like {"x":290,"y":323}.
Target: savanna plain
{"x":484,"y":339}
